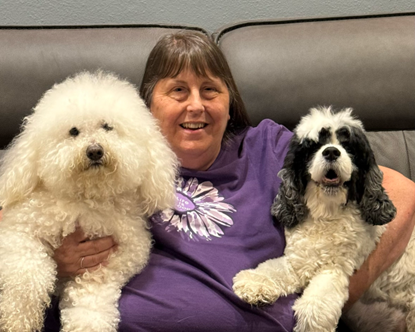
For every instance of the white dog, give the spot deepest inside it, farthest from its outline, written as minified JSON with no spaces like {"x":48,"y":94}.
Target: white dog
{"x":91,"y":155}
{"x":332,"y":204}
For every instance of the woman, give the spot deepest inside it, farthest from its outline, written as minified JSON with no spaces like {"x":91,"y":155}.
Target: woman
{"x":222,"y":222}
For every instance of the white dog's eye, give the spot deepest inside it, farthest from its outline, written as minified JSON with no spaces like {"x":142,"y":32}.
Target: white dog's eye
{"x":74,"y":132}
{"x":107,"y":127}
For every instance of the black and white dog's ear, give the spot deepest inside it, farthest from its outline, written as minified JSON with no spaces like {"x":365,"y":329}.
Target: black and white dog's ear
{"x":289,"y":207}
{"x":374,"y":204}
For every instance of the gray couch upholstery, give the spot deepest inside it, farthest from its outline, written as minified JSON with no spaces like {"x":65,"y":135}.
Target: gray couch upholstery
{"x":32,"y":59}
{"x":368,"y":63}
{"x":281,"y":67}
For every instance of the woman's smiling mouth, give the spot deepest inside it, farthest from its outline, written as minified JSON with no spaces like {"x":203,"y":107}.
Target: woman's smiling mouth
{"x":193,"y":125}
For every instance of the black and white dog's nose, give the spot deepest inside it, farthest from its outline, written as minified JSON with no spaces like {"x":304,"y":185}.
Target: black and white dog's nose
{"x":95,"y":152}
{"x":331,"y":153}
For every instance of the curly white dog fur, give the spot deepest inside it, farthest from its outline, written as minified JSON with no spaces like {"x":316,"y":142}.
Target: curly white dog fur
{"x":91,"y":155}
{"x":333,"y":206}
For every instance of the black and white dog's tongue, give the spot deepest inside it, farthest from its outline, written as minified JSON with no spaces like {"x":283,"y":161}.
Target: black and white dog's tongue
{"x":331,"y":178}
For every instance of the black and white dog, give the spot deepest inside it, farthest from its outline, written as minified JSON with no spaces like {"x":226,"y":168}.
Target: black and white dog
{"x":334,"y":209}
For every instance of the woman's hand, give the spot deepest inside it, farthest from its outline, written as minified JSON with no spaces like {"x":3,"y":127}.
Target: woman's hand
{"x":77,"y":254}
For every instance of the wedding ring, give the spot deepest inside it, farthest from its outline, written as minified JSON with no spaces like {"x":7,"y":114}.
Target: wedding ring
{"x":82,"y":262}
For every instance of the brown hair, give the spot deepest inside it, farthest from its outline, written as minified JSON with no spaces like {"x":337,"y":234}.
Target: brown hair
{"x":196,"y":51}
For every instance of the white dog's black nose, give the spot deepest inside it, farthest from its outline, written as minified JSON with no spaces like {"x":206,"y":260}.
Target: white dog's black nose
{"x":331,"y":153}
{"x":95,"y":152}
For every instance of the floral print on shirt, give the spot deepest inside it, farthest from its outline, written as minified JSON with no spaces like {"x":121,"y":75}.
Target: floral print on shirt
{"x":199,"y":212}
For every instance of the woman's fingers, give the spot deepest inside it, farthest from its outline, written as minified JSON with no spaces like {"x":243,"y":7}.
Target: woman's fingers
{"x":66,"y":256}
{"x":77,"y":254}
{"x":93,"y":262}
{"x":93,"y":247}
{"x":77,"y":236}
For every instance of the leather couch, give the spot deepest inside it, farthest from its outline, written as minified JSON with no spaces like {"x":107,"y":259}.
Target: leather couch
{"x":368,"y":63}
{"x":282,"y":68}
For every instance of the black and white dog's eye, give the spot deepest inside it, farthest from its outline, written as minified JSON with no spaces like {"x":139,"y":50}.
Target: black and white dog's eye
{"x":343,"y":134}
{"x":74,"y":132}
{"x":324,"y":135}
{"x":107,"y":127}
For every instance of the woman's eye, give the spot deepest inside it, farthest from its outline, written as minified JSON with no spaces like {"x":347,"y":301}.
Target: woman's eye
{"x":178,"y":93}
{"x":178,"y":89}
{"x":74,"y":132}
{"x":210,"y":92}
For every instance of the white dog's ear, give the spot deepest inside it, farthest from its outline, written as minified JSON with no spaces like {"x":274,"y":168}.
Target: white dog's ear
{"x":289,"y":206}
{"x":366,"y":185}
{"x":18,"y":173}
{"x":157,"y":191}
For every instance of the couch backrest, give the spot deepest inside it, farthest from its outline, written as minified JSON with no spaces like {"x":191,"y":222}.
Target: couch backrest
{"x":368,"y":63}
{"x":281,"y":67}
{"x":32,"y":59}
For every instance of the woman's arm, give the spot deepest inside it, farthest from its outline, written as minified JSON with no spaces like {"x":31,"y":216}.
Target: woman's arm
{"x":393,"y":242}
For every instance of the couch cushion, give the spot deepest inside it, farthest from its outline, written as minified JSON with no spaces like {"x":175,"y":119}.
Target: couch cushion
{"x":368,"y":63}
{"x":395,"y":149}
{"x":285,"y":67}
{"x":32,"y":59}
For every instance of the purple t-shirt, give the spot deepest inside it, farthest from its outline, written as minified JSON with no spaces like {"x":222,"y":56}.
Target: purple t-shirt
{"x":221,"y":225}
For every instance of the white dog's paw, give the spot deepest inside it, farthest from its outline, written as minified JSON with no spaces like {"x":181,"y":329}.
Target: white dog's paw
{"x":82,"y":320}
{"x":19,"y":315}
{"x":255,"y":288}
{"x":19,"y":324}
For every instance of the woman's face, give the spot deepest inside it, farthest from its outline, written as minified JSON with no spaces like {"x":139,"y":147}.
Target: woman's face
{"x":193,"y":113}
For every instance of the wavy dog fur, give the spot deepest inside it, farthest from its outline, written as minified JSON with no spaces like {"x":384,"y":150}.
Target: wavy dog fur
{"x":334,"y":209}
{"x":92,"y":155}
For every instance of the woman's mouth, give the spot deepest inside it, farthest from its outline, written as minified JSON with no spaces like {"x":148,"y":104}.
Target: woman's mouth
{"x":193,"y":125}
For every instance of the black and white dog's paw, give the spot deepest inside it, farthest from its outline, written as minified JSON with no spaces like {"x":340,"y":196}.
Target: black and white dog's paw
{"x":255,"y":288}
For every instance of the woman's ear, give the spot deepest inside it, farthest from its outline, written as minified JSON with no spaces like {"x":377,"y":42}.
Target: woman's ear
{"x":18,"y":172}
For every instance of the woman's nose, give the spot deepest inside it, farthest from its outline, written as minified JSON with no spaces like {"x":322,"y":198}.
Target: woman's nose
{"x":195,"y":102}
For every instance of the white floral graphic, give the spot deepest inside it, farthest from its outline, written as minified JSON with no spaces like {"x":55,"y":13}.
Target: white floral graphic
{"x":199,"y":211}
